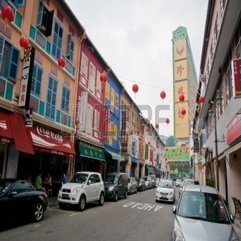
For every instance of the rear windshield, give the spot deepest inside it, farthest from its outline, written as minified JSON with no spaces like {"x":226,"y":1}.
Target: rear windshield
{"x":204,"y":206}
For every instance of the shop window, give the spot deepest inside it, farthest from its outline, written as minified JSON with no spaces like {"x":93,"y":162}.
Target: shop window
{"x":57,"y":40}
{"x":18,"y":3}
{"x":51,"y":98}
{"x":70,"y":48}
{"x":65,"y":99}
{"x":44,"y":19}
{"x":36,"y":80}
{"x":9,"y":57}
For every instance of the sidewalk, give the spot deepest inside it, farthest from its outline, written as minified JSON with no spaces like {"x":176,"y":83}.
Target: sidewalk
{"x":52,"y":202}
{"x":237,"y":226}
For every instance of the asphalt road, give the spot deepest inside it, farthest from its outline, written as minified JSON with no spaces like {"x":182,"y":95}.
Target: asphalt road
{"x":138,"y":217}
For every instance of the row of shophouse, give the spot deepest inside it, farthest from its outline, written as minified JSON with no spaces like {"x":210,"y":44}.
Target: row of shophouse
{"x":62,"y":108}
{"x":217,"y":122}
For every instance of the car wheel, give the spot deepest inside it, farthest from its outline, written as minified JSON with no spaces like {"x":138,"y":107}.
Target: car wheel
{"x":38,"y":212}
{"x":126,"y":194}
{"x":82,"y":203}
{"x":116,"y":197}
{"x":102,"y":199}
{"x":61,"y":205}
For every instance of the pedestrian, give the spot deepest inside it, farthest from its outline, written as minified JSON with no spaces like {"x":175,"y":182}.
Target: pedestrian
{"x":63,"y":179}
{"x":38,"y":183}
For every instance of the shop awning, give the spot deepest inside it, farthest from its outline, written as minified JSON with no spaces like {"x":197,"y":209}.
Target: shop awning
{"x":12,"y":126}
{"x":91,"y":151}
{"x":46,"y":140}
{"x":5,"y":127}
{"x":134,"y":160}
{"x":115,"y":156}
{"x":21,"y":136}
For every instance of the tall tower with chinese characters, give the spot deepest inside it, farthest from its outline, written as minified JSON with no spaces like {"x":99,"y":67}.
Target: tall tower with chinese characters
{"x":184,"y":86}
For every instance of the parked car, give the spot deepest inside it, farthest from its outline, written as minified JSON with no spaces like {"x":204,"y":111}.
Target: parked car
{"x":178,"y":182}
{"x":116,"y":185}
{"x":202,"y":215}
{"x":153,"y":181}
{"x":132,"y":185}
{"x":185,"y":183}
{"x":148,"y":182}
{"x":84,"y":187}
{"x":141,"y":185}
{"x":165,"y":191}
{"x":19,"y":198}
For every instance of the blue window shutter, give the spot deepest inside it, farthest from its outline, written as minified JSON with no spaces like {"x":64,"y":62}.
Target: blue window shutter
{"x":19,"y":3}
{"x":1,"y":51}
{"x":13,"y":64}
{"x":40,"y":13}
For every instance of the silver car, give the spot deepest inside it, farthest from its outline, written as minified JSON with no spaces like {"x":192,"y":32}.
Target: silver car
{"x":202,"y":215}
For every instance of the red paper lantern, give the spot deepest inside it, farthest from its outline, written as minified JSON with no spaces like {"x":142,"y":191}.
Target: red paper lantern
{"x":61,"y":62}
{"x":201,"y":99}
{"x":157,"y":126}
{"x":7,"y":13}
{"x":163,"y":94}
{"x":24,"y":42}
{"x":135,"y":88}
{"x":183,"y":112}
{"x":167,"y":120}
{"x":103,"y":77}
{"x":181,"y":98}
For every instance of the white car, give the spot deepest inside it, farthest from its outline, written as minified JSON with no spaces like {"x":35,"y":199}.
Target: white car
{"x":165,"y":191}
{"x":84,"y":187}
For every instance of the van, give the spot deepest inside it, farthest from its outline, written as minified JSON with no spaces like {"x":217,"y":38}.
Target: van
{"x":116,"y":185}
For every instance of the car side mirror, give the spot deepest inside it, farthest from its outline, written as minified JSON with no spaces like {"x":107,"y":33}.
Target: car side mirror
{"x":174,"y":209}
{"x":89,"y":182}
{"x":13,"y":193}
{"x":231,"y":217}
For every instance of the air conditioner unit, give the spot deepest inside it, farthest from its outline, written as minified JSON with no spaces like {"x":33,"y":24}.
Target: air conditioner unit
{"x":203,"y":78}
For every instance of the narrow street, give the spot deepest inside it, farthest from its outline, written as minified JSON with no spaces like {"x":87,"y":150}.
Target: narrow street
{"x":138,"y":217}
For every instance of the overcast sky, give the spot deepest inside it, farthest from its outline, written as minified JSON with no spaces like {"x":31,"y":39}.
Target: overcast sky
{"x":135,"y":38}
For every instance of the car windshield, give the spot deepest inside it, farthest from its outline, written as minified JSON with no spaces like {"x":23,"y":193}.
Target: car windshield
{"x":5,"y":185}
{"x":111,"y":179}
{"x":79,"y":178}
{"x":204,"y":206}
{"x":165,"y":184}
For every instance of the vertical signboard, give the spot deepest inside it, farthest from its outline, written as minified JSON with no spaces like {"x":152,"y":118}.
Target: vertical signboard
{"x":27,"y":72}
{"x":237,"y":76}
{"x":83,"y":110}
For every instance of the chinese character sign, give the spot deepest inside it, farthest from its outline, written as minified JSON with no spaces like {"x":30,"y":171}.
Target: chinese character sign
{"x":237,"y":76}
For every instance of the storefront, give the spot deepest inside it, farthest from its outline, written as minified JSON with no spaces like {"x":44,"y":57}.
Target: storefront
{"x":14,"y":139}
{"x":54,"y":154}
{"x":90,"y":157}
{"x":113,"y":161}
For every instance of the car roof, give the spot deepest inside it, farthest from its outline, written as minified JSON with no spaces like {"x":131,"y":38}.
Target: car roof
{"x":200,"y":188}
{"x":86,"y":172}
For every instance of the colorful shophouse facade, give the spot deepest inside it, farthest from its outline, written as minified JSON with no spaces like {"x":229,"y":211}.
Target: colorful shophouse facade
{"x":43,"y":101}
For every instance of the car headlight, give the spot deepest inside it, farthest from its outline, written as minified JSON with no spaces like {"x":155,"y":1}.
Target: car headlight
{"x":170,"y":193}
{"x":177,"y":235}
{"x":75,"y":191}
{"x":111,"y":188}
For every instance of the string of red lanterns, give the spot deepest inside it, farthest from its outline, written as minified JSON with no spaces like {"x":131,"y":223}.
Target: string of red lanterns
{"x":103,"y":77}
{"x":181,"y":97}
{"x":167,"y":120}
{"x":7,"y":13}
{"x":163,"y":95}
{"x":135,"y":88}
{"x":24,"y":42}
{"x":61,"y":62}
{"x":157,"y":126}
{"x":201,"y":99}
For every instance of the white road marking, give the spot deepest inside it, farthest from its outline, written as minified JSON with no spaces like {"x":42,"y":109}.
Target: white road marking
{"x":143,"y":206}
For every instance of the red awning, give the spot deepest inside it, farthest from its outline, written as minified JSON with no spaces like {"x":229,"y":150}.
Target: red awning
{"x":49,"y":141}
{"x":22,"y":138}
{"x":5,"y":127}
{"x":12,"y":127}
